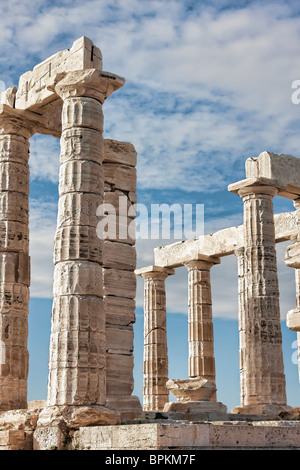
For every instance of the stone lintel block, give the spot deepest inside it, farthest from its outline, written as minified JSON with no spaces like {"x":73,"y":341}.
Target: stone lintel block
{"x":81,"y":144}
{"x":78,"y":209}
{"x":281,"y":167}
{"x":122,"y":153}
{"x":121,"y":177}
{"x":78,"y":277}
{"x":33,"y":89}
{"x":81,"y":176}
{"x":119,"y":310}
{"x":119,"y":283}
{"x":255,"y":185}
{"x":149,"y":271}
{"x":77,"y":242}
{"x":119,"y":256}
{"x":293,"y":319}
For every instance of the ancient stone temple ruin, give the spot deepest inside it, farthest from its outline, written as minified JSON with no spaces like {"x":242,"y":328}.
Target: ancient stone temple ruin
{"x":90,"y":403}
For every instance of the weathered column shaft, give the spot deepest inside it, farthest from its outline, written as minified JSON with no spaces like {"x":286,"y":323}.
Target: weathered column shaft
{"x":155,"y":366}
{"x":262,"y":371}
{"x":292,"y":259}
{"x":14,"y":259}
{"x":241,"y":320}
{"x":200,"y":325}
{"x":77,"y":365}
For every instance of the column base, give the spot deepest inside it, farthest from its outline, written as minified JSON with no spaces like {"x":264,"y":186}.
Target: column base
{"x":196,"y":410}
{"x":269,"y":410}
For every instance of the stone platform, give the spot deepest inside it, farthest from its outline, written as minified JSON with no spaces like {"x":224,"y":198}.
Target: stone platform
{"x":19,"y":430}
{"x":192,"y":436}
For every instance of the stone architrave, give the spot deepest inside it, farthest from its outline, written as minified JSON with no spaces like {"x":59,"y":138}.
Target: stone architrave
{"x":292,"y":259}
{"x":200,"y":325}
{"x":15,"y":130}
{"x":155,"y":367}
{"x":77,"y":364}
{"x":261,"y":358}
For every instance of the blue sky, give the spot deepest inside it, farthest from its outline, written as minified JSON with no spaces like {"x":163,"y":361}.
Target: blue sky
{"x":208,"y":84}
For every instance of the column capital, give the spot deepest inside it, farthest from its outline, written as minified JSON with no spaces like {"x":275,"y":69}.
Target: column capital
{"x":18,"y":121}
{"x":252,"y":186}
{"x":90,"y":83}
{"x":202,"y":262}
{"x":154,"y":272}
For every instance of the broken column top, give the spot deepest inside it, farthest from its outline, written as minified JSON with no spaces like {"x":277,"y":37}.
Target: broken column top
{"x":33,"y":91}
{"x":271,"y":169}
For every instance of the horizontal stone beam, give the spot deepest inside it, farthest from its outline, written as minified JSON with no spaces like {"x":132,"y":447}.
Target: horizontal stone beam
{"x":221,"y":243}
{"x":283,"y":169}
{"x":35,"y":89}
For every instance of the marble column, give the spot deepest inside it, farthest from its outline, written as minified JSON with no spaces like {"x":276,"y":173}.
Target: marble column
{"x":262,"y":371}
{"x":239,"y":253}
{"x":15,"y":130}
{"x":77,"y":364}
{"x":292,"y":259}
{"x":200,"y":325}
{"x":155,"y":366}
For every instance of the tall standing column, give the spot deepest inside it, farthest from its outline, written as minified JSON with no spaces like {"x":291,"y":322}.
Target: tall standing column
{"x":77,"y":365}
{"x":292,"y":259}
{"x":200,"y":325}
{"x":239,"y":253}
{"x":263,"y":380}
{"x":15,"y":131}
{"x":155,"y":368}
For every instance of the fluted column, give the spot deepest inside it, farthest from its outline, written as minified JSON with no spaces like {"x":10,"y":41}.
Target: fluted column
{"x":15,"y":130}
{"x":239,"y":253}
{"x":155,"y":367}
{"x":200,"y":325}
{"x":262,"y":371}
{"x":292,"y":259}
{"x":77,"y":365}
